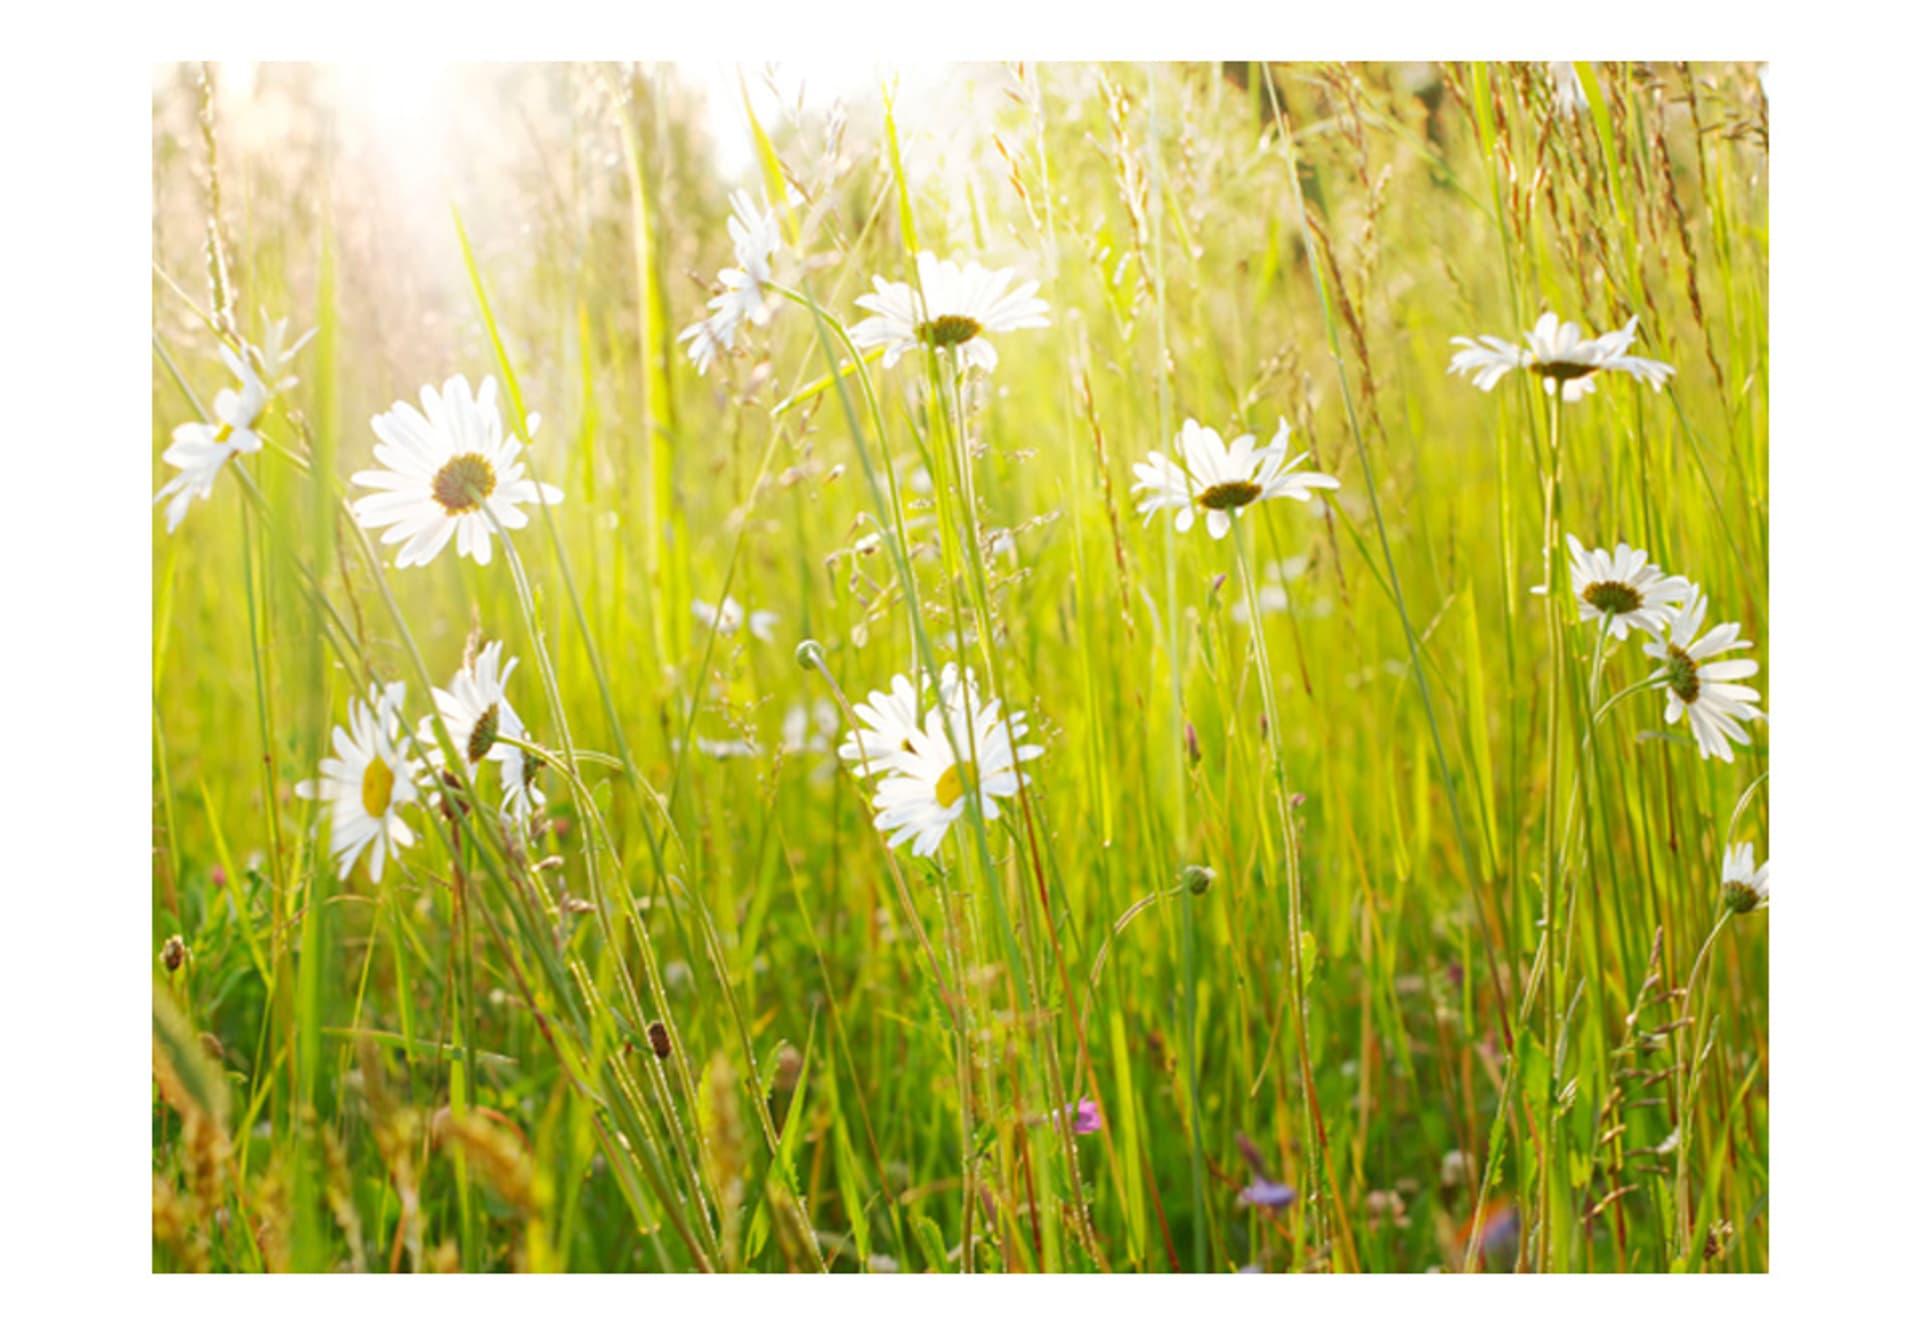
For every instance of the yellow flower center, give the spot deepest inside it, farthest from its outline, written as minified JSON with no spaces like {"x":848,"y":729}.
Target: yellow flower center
{"x":376,"y":787}
{"x":1229,"y":495}
{"x":1563,"y":370}
{"x":953,"y":785}
{"x":486,"y":730}
{"x":1683,"y":674}
{"x":1612,"y":597}
{"x":462,"y":483}
{"x":223,"y":433}
{"x":949,"y":330}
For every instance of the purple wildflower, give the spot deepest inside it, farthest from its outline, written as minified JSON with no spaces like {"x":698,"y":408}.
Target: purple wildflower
{"x":1263,"y":1192}
{"x":1085,"y":1117}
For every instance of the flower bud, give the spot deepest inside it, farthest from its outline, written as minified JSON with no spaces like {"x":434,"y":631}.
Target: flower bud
{"x":1195,"y":880}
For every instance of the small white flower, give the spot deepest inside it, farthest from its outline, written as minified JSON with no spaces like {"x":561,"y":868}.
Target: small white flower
{"x":959,"y":308}
{"x":1272,"y":593}
{"x":1221,"y":480}
{"x":1624,"y":586}
{"x":201,"y":449}
{"x":367,"y":782}
{"x":275,"y":356}
{"x":1566,"y":363}
{"x":963,"y":743}
{"x":1569,"y":97}
{"x":1701,"y":690}
{"x":743,"y":294}
{"x":729,"y":615}
{"x":444,"y":472}
{"x":1743,"y":887}
{"x":803,"y":730}
{"x":730,"y":748}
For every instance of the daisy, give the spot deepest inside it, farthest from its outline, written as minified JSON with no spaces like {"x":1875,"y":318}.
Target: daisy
{"x":477,"y":714}
{"x":1565,"y":362}
{"x":728,"y":616}
{"x":1702,"y":690}
{"x":891,"y":718}
{"x":450,"y":475}
{"x":201,"y":449}
{"x":1742,"y":887}
{"x":743,"y":294}
{"x":367,"y":782}
{"x":1221,"y":479}
{"x":1623,"y":591}
{"x":951,"y":312}
{"x":961,"y":745}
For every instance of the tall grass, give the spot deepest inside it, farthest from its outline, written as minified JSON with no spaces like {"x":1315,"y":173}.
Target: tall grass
{"x":1460,"y":972}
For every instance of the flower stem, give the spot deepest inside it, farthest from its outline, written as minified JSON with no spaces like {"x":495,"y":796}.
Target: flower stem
{"x":1317,"y":1184}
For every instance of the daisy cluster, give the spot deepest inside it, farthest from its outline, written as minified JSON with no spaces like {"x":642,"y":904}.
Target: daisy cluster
{"x":380,"y":764}
{"x":946,"y":308}
{"x":1624,"y":591}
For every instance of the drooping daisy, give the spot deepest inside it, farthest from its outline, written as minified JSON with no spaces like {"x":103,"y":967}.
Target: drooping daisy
{"x":1221,"y":480}
{"x":1624,"y":586}
{"x":1566,"y":363}
{"x":891,"y":718}
{"x":444,"y":472}
{"x":367,"y":782}
{"x":1743,"y":887}
{"x":201,"y":449}
{"x":743,"y":294}
{"x":730,"y":615}
{"x":1705,"y":691}
{"x":959,"y":308}
{"x":965,"y":743}
{"x":475,"y":709}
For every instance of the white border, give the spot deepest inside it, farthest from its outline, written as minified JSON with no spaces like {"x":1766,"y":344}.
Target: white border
{"x":77,"y":113}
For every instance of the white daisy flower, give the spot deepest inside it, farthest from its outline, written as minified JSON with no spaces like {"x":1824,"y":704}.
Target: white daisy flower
{"x":743,"y":294}
{"x":955,"y":747}
{"x":891,"y":718}
{"x":367,"y":782}
{"x":201,"y":449}
{"x":1221,"y":479}
{"x":1569,"y":98}
{"x":444,"y":472}
{"x":1743,"y":887}
{"x":728,"y":617}
{"x":1624,"y":586}
{"x":477,"y":713}
{"x":1566,"y":363}
{"x":959,"y":308}
{"x":1704,"y":691}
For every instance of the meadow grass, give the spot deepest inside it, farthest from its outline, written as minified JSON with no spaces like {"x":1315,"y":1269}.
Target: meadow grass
{"x":1341,"y":855}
